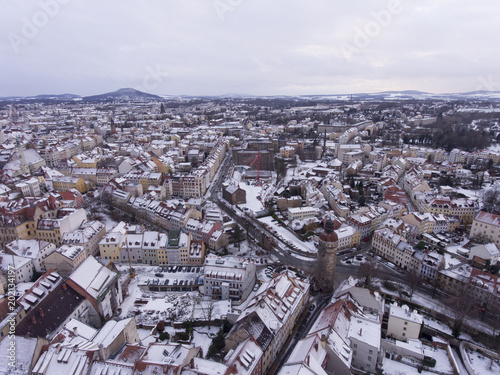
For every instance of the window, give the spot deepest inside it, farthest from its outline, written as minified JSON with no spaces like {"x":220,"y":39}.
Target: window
{"x":369,"y":358}
{"x":370,"y":351}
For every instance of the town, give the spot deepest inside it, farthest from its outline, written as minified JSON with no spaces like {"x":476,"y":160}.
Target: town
{"x":145,"y":234}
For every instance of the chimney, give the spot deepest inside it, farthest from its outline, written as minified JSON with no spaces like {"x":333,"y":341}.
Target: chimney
{"x":360,"y":331}
{"x":33,"y":319}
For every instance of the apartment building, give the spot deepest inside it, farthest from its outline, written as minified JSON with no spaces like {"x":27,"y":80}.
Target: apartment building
{"x":403,"y":323}
{"x":228,"y":278}
{"x":271,"y":316}
{"x":486,"y":227}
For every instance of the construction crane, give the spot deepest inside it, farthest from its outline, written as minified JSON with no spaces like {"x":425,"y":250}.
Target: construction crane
{"x":131,"y":269}
{"x":257,"y":159}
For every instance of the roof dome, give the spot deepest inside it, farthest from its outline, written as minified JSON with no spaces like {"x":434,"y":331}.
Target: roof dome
{"x":329,"y":235}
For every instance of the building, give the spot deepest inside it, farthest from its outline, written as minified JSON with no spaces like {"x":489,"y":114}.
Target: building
{"x":88,"y":235}
{"x":343,"y":340}
{"x":23,"y":268}
{"x":403,"y":323}
{"x":302,"y":213}
{"x":65,"y":183}
{"x":484,"y":255}
{"x":486,"y":227}
{"x":348,"y":237}
{"x":99,"y":285}
{"x":270,"y":317}
{"x":228,"y":278}
{"x":48,"y":304}
{"x":66,"y":259}
{"x":431,"y":264}
{"x":327,"y":258}
{"x":234,"y":194}
{"x":67,"y":221}
{"x":37,"y":250}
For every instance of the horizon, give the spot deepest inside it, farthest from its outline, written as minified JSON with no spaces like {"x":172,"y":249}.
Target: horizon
{"x":407,"y":91}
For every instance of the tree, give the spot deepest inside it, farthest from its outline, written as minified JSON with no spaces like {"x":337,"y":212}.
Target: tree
{"x":368,"y":271}
{"x":413,"y":280}
{"x":361,"y":188}
{"x":460,"y":307}
{"x":208,"y":309}
{"x":362,"y":200}
{"x":217,"y":345}
{"x":160,"y":327}
{"x":491,"y":200}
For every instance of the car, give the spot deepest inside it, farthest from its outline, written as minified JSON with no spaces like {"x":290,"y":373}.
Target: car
{"x":158,"y":274}
{"x":367,"y":239}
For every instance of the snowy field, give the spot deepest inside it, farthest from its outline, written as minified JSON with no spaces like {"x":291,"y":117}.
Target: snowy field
{"x":253,"y":192}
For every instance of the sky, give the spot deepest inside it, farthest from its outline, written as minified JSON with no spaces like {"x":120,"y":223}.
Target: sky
{"x":254,"y":47}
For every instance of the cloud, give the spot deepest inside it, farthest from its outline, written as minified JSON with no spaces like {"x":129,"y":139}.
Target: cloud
{"x":256,"y":47}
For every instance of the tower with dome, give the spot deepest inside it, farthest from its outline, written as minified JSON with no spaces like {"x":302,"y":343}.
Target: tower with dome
{"x":327,"y":258}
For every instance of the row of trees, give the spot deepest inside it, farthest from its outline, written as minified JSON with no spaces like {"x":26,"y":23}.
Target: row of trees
{"x":450,"y":136}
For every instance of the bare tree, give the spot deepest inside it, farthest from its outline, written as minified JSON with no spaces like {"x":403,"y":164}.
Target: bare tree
{"x":368,"y":271}
{"x":413,"y":280}
{"x":208,"y":309}
{"x":491,"y":199}
{"x":460,"y":307}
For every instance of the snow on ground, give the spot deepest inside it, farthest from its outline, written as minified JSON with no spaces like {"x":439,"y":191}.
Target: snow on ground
{"x":437,"y":325}
{"x":287,"y":237}
{"x":146,"y":335}
{"x":202,"y":336}
{"x":354,"y":260}
{"x":150,"y":307}
{"x":481,"y":364}
{"x":292,"y":173}
{"x":107,"y":221}
{"x":443,"y":365}
{"x":253,"y":192}
{"x":472,"y":194}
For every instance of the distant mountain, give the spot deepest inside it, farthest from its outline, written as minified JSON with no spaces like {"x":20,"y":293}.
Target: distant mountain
{"x":126,"y":93}
{"x":409,"y":95}
{"x":61,"y":96}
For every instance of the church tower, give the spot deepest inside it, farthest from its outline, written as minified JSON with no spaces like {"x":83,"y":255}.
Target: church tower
{"x":327,"y":258}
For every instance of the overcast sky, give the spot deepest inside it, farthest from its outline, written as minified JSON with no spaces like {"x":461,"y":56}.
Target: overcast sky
{"x":272,"y":47}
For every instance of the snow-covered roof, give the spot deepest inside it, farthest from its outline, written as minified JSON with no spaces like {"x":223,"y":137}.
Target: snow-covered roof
{"x":93,"y":277}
